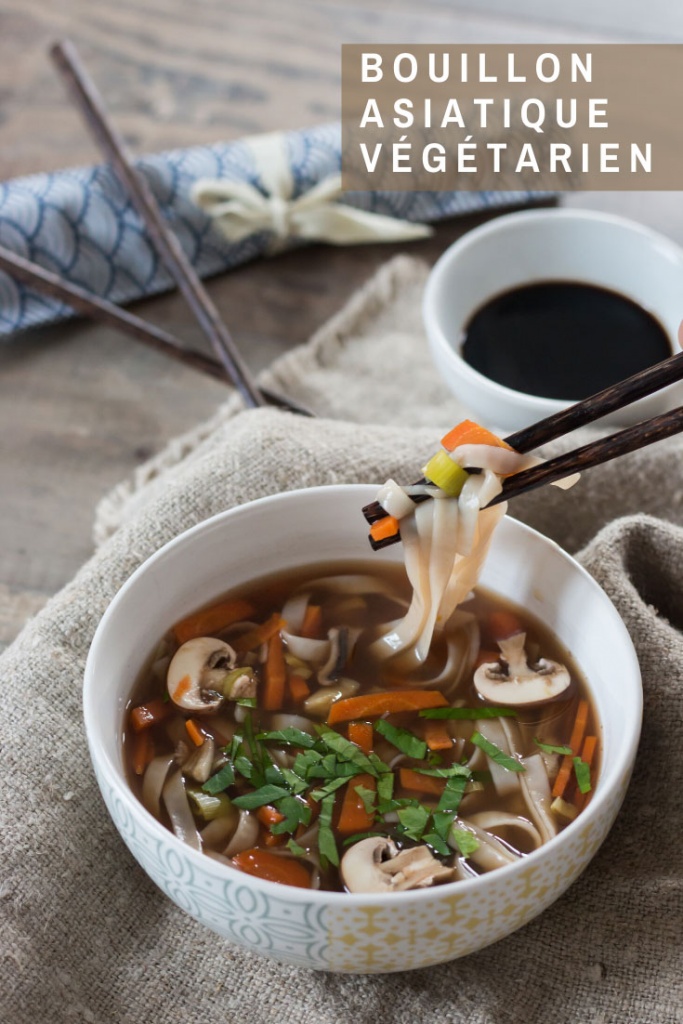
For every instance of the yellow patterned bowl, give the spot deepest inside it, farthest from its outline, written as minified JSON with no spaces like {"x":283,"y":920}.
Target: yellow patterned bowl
{"x":337,"y":931}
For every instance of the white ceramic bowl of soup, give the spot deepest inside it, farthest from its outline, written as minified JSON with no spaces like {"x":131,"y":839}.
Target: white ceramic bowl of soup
{"x":535,"y":246}
{"x":332,"y":930}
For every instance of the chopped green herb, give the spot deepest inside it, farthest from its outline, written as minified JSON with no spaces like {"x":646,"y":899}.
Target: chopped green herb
{"x":294,"y":781}
{"x":413,"y":821}
{"x":442,"y":821}
{"x":260,"y":797}
{"x":294,"y":848}
{"x":246,"y":702}
{"x":385,"y":787}
{"x":326,"y":844}
{"x":481,"y":776}
{"x":452,"y":794}
{"x":404,"y":740}
{"x":346,"y":750}
{"x":368,"y":797}
{"x":166,"y":696}
{"x":471,"y":714}
{"x":437,"y":843}
{"x":221,"y":780}
{"x":445,"y":773}
{"x":465,"y":842}
{"x":296,"y":812}
{"x":511,"y":764}
{"x":274,"y":776}
{"x":233,"y":748}
{"x":330,"y":787}
{"x":244,"y":766}
{"x":550,"y":748}
{"x":583,"y":775}
{"x":292,"y":737}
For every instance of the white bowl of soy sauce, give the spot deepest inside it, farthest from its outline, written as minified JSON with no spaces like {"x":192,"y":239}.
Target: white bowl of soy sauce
{"x":534,"y":311}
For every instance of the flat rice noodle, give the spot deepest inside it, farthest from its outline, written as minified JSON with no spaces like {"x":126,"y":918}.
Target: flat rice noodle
{"x":314,"y":652}
{"x":394,"y":500}
{"x":492,"y":853}
{"x":153,"y":783}
{"x":217,"y":833}
{"x":536,"y":791}
{"x":284,"y":721}
{"x":499,"y":824}
{"x":178,"y":807}
{"x":244,"y":836}
{"x":501,"y":461}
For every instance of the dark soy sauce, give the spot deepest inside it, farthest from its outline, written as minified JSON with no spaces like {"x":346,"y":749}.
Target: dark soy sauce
{"x":562,"y":339}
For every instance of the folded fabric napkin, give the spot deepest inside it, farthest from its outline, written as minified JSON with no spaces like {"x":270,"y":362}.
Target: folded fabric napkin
{"x":227,"y":203}
{"x":85,"y":933}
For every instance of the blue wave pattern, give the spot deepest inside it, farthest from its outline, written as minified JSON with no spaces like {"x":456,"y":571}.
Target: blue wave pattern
{"x":81,"y":225}
{"x":294,"y":932}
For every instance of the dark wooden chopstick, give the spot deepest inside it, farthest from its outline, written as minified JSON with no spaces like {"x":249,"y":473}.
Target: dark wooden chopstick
{"x":90,"y":103}
{"x":609,"y":400}
{"x":47,"y":283}
{"x":594,"y":454}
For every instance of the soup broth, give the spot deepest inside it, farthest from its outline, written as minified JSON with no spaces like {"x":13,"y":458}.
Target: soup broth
{"x":297,"y":755}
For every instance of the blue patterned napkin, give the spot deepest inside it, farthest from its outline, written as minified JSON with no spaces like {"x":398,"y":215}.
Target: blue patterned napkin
{"x":81,"y":225}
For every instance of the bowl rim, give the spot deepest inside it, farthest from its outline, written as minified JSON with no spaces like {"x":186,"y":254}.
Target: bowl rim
{"x":437,"y":280}
{"x":620,"y":765}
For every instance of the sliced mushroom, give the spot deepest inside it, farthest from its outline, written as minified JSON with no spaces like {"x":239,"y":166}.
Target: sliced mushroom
{"x":512,"y":681}
{"x":197,"y":671}
{"x":375,"y":865}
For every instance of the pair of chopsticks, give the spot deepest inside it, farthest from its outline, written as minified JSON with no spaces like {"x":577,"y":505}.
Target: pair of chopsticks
{"x":615,"y":397}
{"x":228,"y":364}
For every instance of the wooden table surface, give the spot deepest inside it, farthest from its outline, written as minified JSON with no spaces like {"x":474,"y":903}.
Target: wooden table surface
{"x":81,"y":405}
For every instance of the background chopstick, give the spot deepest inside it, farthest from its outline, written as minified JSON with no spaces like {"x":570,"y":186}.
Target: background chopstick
{"x":47,"y":283}
{"x":594,"y":454}
{"x":91,"y":105}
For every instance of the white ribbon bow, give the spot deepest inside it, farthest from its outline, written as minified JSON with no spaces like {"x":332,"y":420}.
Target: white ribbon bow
{"x":239,"y":209}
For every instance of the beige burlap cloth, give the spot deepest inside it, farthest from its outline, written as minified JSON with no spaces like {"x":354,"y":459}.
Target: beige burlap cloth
{"x":84,"y":936}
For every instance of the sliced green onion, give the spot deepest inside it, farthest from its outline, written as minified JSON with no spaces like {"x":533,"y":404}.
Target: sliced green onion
{"x":446,"y":474}
{"x":209,"y":806}
{"x":583,"y":775}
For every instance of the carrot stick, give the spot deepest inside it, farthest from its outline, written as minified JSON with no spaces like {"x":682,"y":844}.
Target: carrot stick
{"x":143,"y":751}
{"x":273,"y":867}
{"x":353,"y":816}
{"x":194,"y":732}
{"x":437,"y":735}
{"x":149,"y":714}
{"x":311,"y":627}
{"x":386,"y":527}
{"x":275,"y":675}
{"x":504,"y":624}
{"x":420,"y":783}
{"x":575,"y":743}
{"x":256,"y":637}
{"x":372,"y":705}
{"x":299,"y":689}
{"x":361,"y":734}
{"x":212,"y":620}
{"x":269,"y":815}
{"x":469,"y":432}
